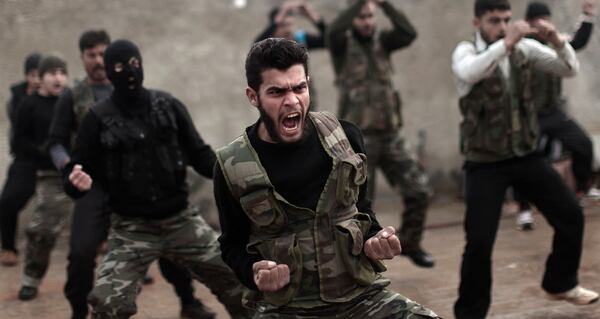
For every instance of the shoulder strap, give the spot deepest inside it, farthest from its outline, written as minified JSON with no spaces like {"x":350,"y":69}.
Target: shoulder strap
{"x":241,"y":167}
{"x":332,"y":134}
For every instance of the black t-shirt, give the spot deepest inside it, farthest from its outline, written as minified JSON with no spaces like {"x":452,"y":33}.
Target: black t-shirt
{"x":298,"y":172}
{"x":31,"y":129}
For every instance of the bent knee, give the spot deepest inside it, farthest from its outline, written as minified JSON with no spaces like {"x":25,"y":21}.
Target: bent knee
{"x":107,"y":302}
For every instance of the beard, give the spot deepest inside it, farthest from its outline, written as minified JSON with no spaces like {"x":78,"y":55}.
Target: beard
{"x":272,"y":127}
{"x":269,"y":125}
{"x":488,"y":40}
{"x":97,"y":73}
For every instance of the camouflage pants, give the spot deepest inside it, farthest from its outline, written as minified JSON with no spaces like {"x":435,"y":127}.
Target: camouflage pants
{"x":376,"y":303}
{"x":134,"y":243}
{"x":392,"y":155}
{"x":51,"y":212}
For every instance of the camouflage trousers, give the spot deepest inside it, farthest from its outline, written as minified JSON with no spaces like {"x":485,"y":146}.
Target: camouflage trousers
{"x":375,"y":303}
{"x":391,"y":153}
{"x":134,"y":243}
{"x":50,"y":214}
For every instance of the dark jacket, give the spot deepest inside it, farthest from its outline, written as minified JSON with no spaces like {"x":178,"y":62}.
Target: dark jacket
{"x":139,"y":154}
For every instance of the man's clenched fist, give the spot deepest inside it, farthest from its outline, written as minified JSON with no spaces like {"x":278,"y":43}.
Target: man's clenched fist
{"x":79,"y":179}
{"x":269,"y":276}
{"x":384,"y":245}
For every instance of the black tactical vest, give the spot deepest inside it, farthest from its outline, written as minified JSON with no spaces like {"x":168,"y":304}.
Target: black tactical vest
{"x":141,"y":156}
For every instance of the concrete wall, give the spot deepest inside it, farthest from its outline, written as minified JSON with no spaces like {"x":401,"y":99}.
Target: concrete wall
{"x":196,"y":48}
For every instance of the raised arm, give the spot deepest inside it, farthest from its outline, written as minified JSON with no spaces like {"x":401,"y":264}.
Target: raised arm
{"x":558,"y":58}
{"x":586,"y":23}
{"x":402,"y":34}
{"x":471,"y":66}
{"x":313,"y":40}
{"x":201,"y":155}
{"x":336,"y":34}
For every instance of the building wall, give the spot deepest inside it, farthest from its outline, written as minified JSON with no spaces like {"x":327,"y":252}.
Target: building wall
{"x":195,"y":49}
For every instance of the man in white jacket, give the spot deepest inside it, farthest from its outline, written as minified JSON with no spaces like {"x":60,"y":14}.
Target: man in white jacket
{"x":499,"y":134}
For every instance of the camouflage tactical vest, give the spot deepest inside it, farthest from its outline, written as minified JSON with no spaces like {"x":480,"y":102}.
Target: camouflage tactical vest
{"x":499,"y":116}
{"x":141,"y":157}
{"x":323,"y":248}
{"x":548,"y":92}
{"x":367,"y":96}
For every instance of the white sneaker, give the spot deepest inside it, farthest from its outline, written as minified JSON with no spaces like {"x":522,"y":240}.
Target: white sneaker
{"x":593,"y":194}
{"x":525,"y":220}
{"x":576,"y":296}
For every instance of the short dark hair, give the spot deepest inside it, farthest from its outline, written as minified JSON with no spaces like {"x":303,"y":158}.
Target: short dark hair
{"x":32,"y":62}
{"x":92,"y":38}
{"x":536,"y":10}
{"x":483,"y":6}
{"x":50,"y":62}
{"x":273,"y":53}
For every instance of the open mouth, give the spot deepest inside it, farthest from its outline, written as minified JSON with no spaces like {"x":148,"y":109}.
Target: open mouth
{"x":291,"y":123}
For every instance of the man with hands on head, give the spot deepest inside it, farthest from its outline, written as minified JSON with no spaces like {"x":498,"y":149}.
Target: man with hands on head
{"x":282,"y":24}
{"x":297,"y":226}
{"x":361,"y":55}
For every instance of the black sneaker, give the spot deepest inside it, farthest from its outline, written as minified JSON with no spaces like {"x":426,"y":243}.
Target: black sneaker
{"x":27,"y":293}
{"x":420,"y":258}
{"x":196,"y":310}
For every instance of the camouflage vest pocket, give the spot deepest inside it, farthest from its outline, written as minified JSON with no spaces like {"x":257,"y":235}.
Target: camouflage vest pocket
{"x":351,"y":174}
{"x":352,"y":104}
{"x":484,"y":127}
{"x":263,"y":209}
{"x":398,"y":108}
{"x":350,"y":239}
{"x":531,"y":122}
{"x":497,"y":127}
{"x":282,"y":250}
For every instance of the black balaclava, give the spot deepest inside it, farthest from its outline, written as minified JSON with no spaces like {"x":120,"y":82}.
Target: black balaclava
{"x":127,"y":82}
